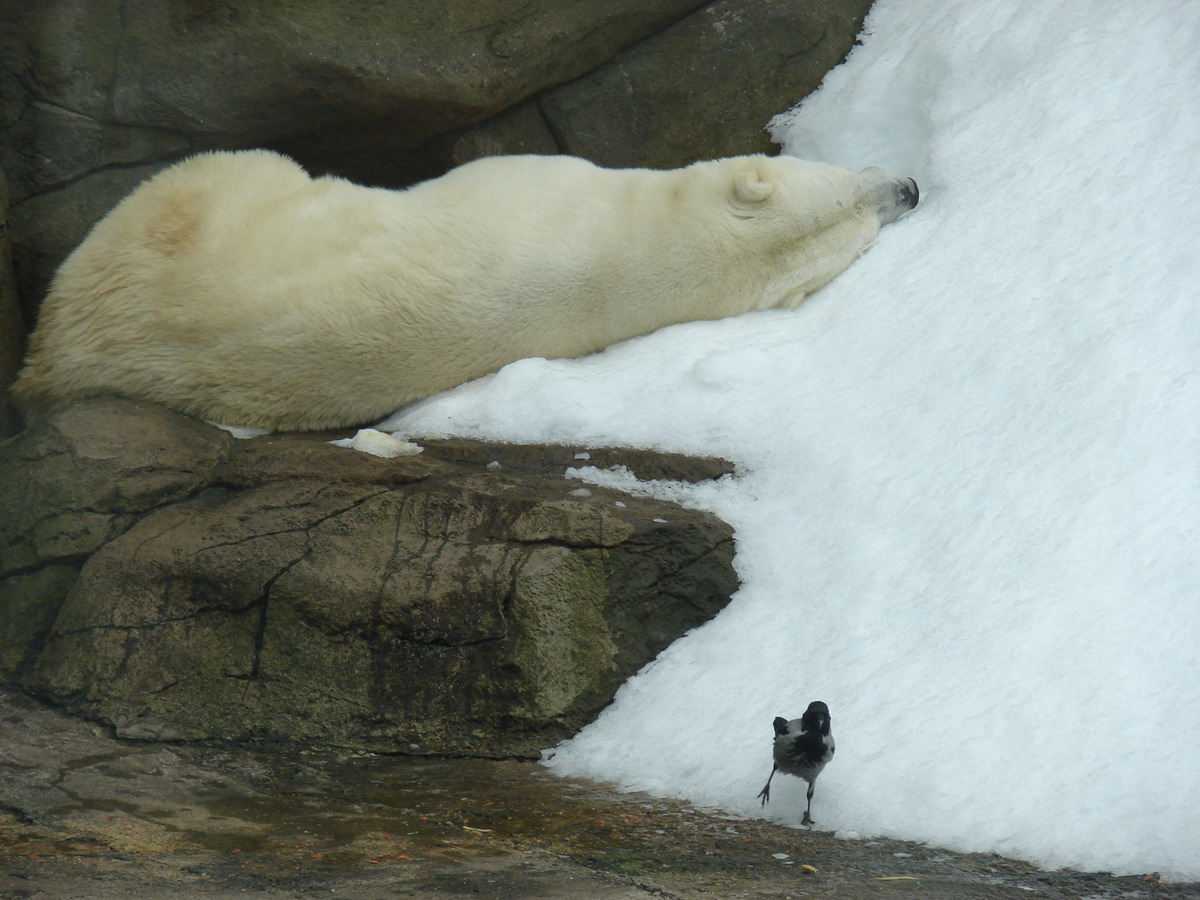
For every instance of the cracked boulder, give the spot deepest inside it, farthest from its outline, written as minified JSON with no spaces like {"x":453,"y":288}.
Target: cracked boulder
{"x":178,"y":584}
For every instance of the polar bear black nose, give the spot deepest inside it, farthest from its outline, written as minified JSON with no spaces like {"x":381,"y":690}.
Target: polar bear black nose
{"x":894,"y":195}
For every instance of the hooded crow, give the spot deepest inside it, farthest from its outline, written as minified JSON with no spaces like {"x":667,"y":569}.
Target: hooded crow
{"x":802,"y":748}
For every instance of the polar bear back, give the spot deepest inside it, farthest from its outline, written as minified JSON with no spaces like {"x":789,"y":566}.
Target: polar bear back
{"x":235,"y":287}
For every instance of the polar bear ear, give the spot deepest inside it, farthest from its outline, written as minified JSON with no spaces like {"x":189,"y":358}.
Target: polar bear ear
{"x":750,"y":185}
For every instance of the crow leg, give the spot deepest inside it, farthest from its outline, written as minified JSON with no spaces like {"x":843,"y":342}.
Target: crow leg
{"x":807,"y":820}
{"x":765,"y":793}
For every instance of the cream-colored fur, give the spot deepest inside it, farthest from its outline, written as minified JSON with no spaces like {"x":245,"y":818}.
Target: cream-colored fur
{"x":234,"y":287}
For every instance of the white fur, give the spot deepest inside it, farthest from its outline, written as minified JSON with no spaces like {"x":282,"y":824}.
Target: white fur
{"x":234,"y":287}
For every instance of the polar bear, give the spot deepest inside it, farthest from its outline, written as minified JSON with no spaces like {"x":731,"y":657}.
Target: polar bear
{"x":234,"y":287}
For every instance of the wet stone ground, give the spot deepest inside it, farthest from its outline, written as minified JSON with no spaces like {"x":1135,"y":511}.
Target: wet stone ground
{"x":83,"y":815}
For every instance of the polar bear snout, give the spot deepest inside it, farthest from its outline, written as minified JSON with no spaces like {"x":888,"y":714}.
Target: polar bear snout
{"x":894,"y":195}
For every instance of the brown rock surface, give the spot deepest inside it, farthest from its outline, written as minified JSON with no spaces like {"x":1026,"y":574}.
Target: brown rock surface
{"x":85,"y":815}
{"x":163,"y":577}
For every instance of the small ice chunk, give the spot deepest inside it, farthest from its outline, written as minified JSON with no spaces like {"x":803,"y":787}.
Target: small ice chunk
{"x":844,"y":835}
{"x":493,"y":465}
{"x":619,"y":503}
{"x":378,"y":443}
{"x":780,"y":855}
{"x":660,"y":521}
{"x":579,"y":492}
{"x":241,"y":431}
{"x":584,"y":455}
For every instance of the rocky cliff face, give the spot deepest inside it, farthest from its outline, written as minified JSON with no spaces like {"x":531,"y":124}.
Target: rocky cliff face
{"x":161,"y":576}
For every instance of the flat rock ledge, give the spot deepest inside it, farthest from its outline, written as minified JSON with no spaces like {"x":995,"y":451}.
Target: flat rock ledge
{"x":84,"y":814}
{"x":162,"y":577}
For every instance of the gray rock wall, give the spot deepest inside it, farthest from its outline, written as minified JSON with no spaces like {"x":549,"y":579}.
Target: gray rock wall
{"x":12,"y":327}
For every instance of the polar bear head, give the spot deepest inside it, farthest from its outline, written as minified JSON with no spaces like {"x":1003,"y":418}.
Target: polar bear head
{"x":805,"y":222}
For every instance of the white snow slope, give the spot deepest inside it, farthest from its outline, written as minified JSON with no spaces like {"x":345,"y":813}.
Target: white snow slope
{"x":971,"y":491}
